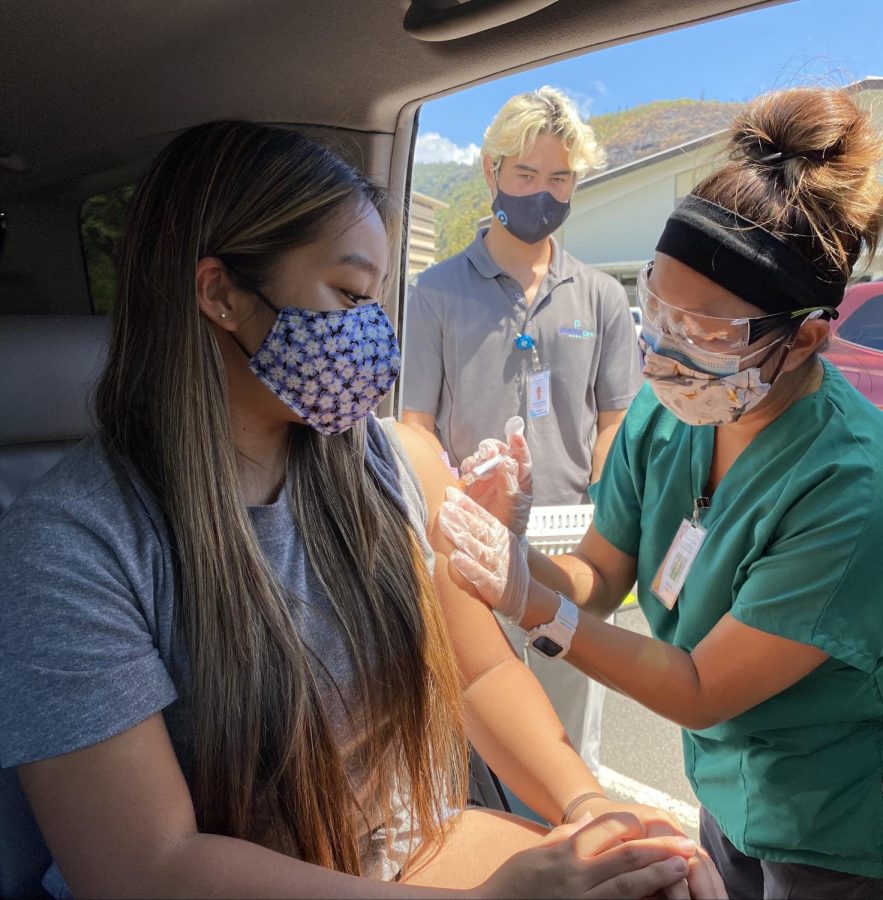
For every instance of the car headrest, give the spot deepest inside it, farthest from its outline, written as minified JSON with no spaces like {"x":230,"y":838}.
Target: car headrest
{"x":48,"y":369}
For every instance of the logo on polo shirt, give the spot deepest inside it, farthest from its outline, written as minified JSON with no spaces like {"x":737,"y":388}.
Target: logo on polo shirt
{"x":577,"y":331}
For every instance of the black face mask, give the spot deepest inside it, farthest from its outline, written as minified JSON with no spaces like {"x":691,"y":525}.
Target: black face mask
{"x":531,"y":218}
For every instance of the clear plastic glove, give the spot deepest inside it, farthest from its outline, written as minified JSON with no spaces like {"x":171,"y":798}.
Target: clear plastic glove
{"x":487,"y":554}
{"x":506,"y":491}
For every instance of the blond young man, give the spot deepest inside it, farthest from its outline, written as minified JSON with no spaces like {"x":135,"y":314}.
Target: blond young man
{"x":515,"y":326}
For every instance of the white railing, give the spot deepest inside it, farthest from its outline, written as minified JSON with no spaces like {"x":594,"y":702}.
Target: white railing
{"x":558,"y":529}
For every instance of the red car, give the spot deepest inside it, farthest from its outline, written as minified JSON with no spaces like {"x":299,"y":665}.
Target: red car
{"x":857,"y":339}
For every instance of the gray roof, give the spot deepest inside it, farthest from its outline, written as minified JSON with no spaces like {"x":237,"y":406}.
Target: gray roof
{"x":651,"y":160}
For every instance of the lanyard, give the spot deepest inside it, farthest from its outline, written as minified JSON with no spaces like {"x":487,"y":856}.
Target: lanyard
{"x":698,"y":480}
{"x":527,"y":343}
{"x":676,"y":564}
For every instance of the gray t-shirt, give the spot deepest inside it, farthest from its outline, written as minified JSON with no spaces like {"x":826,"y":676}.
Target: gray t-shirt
{"x":461,"y":363}
{"x":88,"y":643}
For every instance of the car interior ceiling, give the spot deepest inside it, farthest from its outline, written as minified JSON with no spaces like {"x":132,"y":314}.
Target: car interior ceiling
{"x":90,"y":91}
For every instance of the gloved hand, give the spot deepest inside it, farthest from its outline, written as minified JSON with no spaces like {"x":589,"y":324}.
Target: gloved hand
{"x":507,"y":491}
{"x":488,"y":554}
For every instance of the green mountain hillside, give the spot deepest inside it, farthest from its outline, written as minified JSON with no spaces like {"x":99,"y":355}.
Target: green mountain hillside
{"x":626,"y":136}
{"x":644,"y":130}
{"x":463,"y":189}
{"x":440,"y":179}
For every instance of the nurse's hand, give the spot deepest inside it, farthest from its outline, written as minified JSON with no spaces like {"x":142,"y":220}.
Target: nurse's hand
{"x":488,"y":554}
{"x":507,"y":491}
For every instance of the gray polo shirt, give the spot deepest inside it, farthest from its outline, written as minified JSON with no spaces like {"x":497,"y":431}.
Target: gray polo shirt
{"x":461,"y":363}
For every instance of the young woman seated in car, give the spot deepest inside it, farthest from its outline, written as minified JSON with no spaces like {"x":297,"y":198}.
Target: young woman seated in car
{"x":236,"y":661}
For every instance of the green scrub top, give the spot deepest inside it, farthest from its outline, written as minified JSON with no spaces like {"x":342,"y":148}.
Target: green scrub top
{"x":794,"y":548}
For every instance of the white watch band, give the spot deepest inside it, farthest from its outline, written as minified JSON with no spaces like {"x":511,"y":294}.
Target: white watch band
{"x":552,"y":640}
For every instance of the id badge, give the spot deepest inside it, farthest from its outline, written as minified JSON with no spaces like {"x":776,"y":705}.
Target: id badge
{"x":667,"y":584}
{"x":538,"y":387}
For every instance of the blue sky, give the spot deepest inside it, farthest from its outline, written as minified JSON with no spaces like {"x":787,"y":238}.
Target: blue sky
{"x":829,"y":42}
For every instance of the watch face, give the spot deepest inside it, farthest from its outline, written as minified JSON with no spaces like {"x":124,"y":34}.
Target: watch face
{"x":547,"y":646}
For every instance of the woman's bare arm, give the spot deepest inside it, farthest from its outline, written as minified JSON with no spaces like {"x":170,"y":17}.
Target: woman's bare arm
{"x":119,"y":821}
{"x":511,"y":722}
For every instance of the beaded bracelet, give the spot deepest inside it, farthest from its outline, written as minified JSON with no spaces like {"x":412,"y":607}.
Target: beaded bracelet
{"x":565,"y":819}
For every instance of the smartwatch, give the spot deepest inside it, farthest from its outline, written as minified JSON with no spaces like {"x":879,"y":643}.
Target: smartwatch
{"x":552,"y":640}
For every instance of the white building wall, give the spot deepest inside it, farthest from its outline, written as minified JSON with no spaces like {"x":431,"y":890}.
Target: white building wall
{"x":619,"y":219}
{"x":618,"y":226}
{"x":421,"y":232}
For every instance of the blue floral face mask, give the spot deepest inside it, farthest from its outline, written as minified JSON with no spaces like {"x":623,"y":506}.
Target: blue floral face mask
{"x":332,"y":368}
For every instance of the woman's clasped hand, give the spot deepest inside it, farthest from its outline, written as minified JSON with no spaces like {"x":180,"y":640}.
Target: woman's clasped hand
{"x":607,"y":857}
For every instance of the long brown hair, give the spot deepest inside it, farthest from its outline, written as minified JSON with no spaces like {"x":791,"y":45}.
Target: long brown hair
{"x":265,"y":763}
{"x":802,"y":163}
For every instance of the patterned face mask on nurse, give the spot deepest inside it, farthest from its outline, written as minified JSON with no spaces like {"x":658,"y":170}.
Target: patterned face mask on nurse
{"x":331,"y":368}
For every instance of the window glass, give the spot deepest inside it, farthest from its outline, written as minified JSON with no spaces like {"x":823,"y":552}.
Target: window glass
{"x":660,"y":108}
{"x":101,"y":221}
{"x":865,"y":325}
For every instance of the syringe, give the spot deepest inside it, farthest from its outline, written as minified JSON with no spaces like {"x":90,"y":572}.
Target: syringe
{"x":482,"y":469}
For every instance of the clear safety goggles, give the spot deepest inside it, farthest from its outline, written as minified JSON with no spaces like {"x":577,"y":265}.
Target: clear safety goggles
{"x":712,"y":333}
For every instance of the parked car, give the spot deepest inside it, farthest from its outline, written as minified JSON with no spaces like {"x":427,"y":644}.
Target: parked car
{"x":857,"y":339}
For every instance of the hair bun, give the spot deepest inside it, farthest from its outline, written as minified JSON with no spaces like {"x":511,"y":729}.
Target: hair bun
{"x":761,"y":153}
{"x":803,"y":164}
{"x":814,"y":125}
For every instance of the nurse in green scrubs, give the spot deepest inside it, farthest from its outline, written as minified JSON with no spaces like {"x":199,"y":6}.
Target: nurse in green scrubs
{"x":744,"y":494}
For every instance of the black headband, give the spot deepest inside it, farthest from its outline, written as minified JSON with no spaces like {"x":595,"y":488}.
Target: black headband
{"x":745,"y":258}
